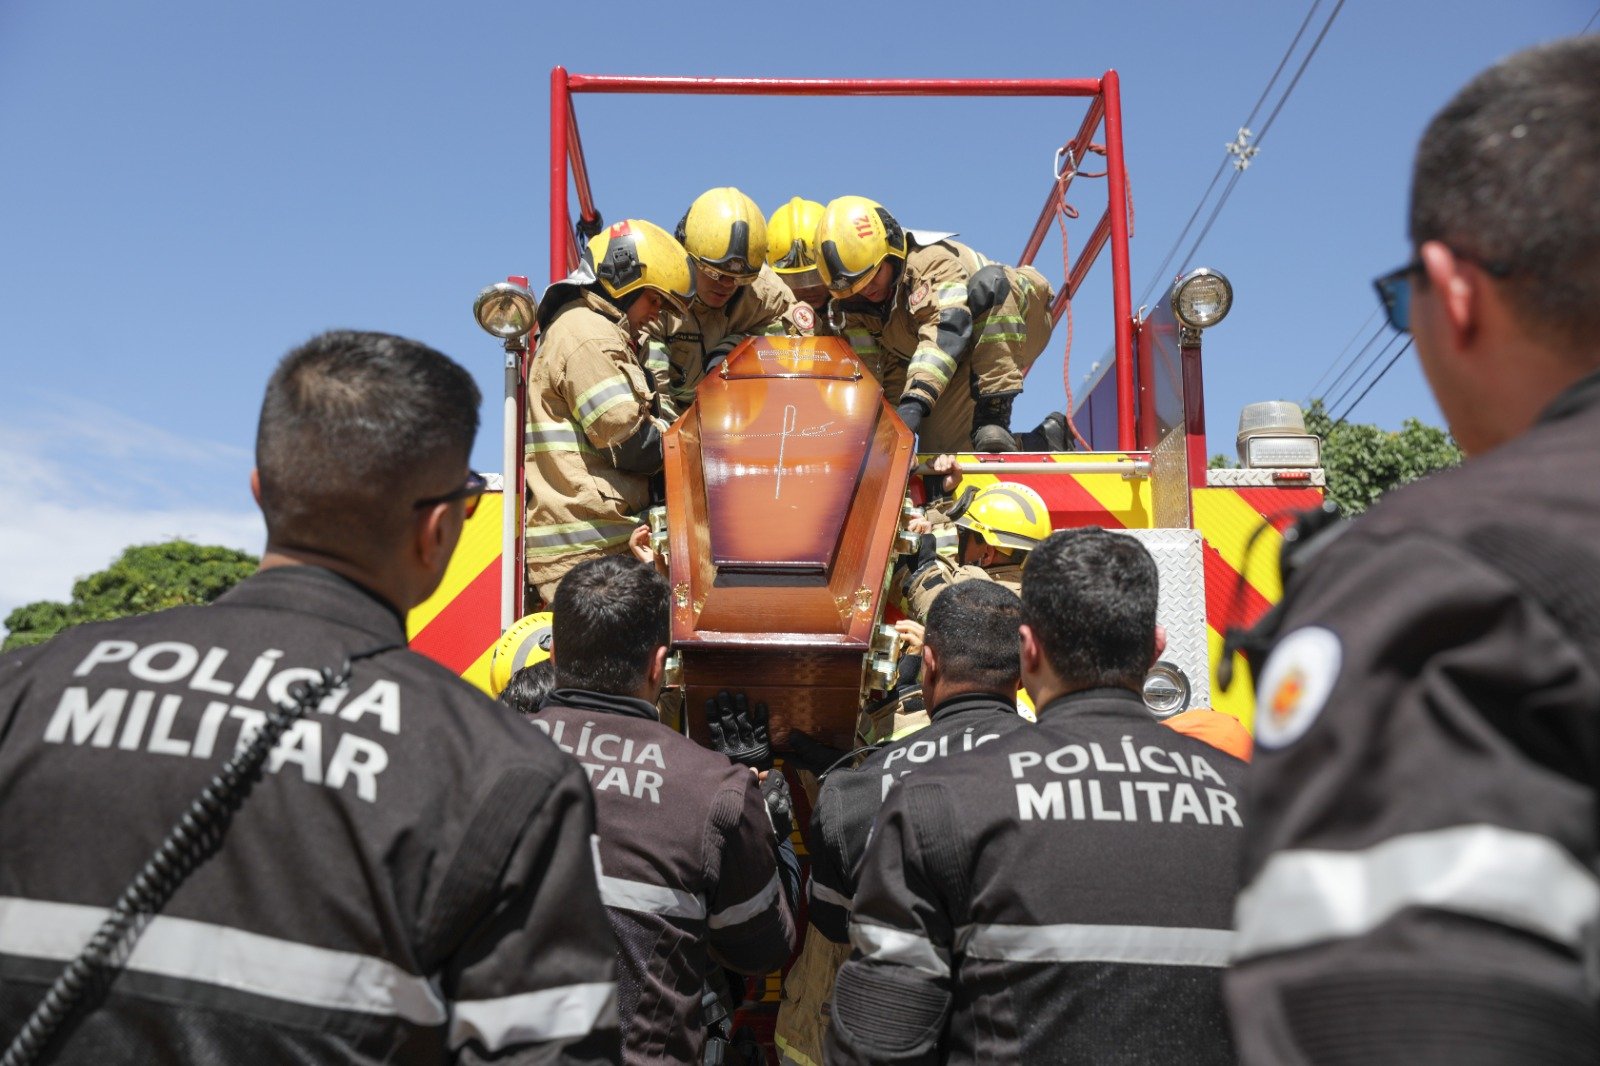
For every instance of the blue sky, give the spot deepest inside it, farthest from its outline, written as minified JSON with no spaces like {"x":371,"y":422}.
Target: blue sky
{"x":192,"y":188}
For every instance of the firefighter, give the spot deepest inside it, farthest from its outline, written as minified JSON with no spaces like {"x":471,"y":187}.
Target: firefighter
{"x":950,"y":333}
{"x":736,"y":296}
{"x":1065,"y":892}
{"x":412,"y":879}
{"x":687,"y":851}
{"x":1420,"y":864}
{"x":970,"y":674}
{"x":994,"y":532}
{"x":592,"y":440}
{"x":791,"y":231}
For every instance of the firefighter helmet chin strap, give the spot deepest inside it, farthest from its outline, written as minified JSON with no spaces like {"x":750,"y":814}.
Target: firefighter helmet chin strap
{"x":195,"y":838}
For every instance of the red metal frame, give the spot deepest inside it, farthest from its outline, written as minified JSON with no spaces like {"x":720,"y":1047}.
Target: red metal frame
{"x":566,"y":158}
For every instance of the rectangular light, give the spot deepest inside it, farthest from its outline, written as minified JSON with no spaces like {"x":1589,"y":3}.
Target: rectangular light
{"x":1270,"y":452}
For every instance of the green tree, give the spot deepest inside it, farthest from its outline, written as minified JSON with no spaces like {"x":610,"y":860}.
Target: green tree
{"x":1362,"y":462}
{"x":147,"y":577}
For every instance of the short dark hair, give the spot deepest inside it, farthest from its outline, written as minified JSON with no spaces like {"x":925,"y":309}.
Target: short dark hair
{"x":528,"y":687}
{"x":1507,"y":175}
{"x":972,"y":629}
{"x":351,"y":425}
{"x":1089,"y":596}
{"x":609,"y":617}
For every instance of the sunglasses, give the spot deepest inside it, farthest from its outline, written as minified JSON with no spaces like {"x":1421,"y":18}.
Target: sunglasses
{"x":1394,"y":288}
{"x":471,"y":491}
{"x":714,"y":275}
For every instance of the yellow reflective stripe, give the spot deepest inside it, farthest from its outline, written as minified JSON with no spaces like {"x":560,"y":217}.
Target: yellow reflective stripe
{"x":863,"y":341}
{"x":553,"y":437}
{"x":655,"y":358}
{"x":602,"y":398}
{"x":933,"y":363}
{"x":565,"y":537}
{"x":789,"y":1053}
{"x":952,"y":294}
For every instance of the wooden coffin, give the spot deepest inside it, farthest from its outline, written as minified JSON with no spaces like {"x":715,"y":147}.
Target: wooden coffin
{"x":786,"y":480}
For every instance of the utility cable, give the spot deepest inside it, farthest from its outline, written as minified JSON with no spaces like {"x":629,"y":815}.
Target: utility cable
{"x":1178,"y":242}
{"x":1337,"y":402}
{"x":1342,"y":353}
{"x":1348,"y":411}
{"x":1377,"y":334}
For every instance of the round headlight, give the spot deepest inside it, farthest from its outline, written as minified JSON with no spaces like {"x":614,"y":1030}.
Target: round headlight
{"x":505,"y":310}
{"x":1166,"y":690}
{"x":1202,"y":298}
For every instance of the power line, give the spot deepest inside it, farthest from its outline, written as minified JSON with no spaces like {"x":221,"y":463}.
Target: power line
{"x":1336,"y":402}
{"x":1342,"y":352}
{"x":1177,"y":242}
{"x":1592,"y":17}
{"x":1387,"y":367}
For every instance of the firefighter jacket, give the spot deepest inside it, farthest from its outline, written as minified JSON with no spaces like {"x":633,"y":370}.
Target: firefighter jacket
{"x":590,"y":443}
{"x":921,"y":588}
{"x":952,"y":309}
{"x":1062,"y":894}
{"x":411,"y":881}
{"x":1420,"y":867}
{"x":678,"y":348}
{"x":688,"y":860}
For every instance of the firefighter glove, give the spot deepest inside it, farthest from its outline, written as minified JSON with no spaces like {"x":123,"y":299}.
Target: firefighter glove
{"x":739,"y":730}
{"x":911,"y":411}
{"x":780,"y":806}
{"x":715,"y":357}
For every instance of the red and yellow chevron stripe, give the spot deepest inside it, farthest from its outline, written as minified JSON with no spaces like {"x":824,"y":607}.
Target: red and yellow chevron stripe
{"x":1241,"y":574}
{"x":1106,"y":500}
{"x":459,"y":624}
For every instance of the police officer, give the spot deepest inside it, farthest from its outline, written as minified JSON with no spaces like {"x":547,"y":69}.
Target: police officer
{"x":687,"y":850}
{"x":593,"y":435}
{"x":969,"y":679}
{"x":736,"y":296}
{"x":1063,"y":893}
{"x":950,"y":333}
{"x":1421,"y":855}
{"x":411,"y":880}
{"x":792,"y":254}
{"x":994,"y":531}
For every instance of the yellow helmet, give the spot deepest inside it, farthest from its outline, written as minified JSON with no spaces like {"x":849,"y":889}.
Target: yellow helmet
{"x":854,"y":236}
{"x":1009,"y":516}
{"x":790,"y":233}
{"x":724,"y":233}
{"x":634,"y":254}
{"x":527,"y":642}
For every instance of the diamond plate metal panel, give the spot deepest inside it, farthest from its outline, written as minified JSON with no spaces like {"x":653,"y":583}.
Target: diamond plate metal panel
{"x":1235,"y":477}
{"x":1181,"y":607}
{"x":1169,"y":481}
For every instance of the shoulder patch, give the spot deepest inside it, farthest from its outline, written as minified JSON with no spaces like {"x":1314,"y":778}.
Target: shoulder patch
{"x":803,"y":316}
{"x":919,"y":295}
{"x":1295,"y":685}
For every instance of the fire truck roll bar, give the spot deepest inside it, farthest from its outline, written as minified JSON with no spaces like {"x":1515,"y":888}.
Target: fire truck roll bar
{"x":1105,"y":108}
{"x":1131,"y":468}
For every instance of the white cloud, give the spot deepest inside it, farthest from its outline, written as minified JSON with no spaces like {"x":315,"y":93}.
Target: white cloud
{"x":79,"y":483}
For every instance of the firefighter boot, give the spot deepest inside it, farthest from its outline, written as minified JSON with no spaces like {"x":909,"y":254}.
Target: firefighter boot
{"x":1048,"y":436}
{"x":991,"y":425}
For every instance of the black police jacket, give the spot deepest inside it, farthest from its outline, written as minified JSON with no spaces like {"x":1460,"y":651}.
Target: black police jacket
{"x":411,"y":881}
{"x":1422,"y":845}
{"x":849,"y":799}
{"x":1061,"y":895}
{"x":689,"y":865}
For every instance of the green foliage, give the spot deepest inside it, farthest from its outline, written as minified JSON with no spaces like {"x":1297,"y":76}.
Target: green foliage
{"x":148,"y":577}
{"x":1363,"y":462}
{"x":1219,"y":462}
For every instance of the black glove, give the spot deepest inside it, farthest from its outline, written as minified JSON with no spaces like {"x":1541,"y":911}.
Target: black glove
{"x":911,"y":411}
{"x":780,"y":805}
{"x":809,"y":754}
{"x":715,"y":357}
{"x":738,"y":730}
